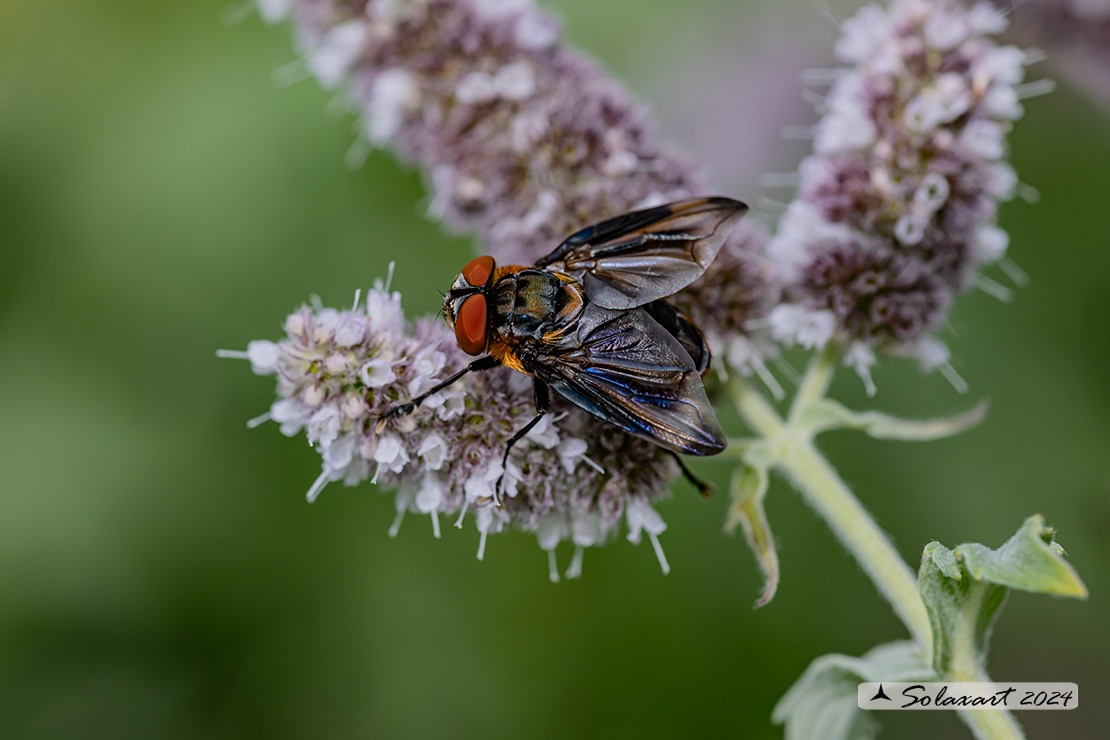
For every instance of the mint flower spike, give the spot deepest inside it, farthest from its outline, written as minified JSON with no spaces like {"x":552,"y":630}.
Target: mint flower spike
{"x":896,"y":208}
{"x":521,"y":139}
{"x":569,"y":480}
{"x":523,"y":142}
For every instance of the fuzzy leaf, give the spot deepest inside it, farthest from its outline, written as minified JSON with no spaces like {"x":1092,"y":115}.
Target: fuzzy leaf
{"x":961,"y":610}
{"x":964,"y":589}
{"x":828,"y":414}
{"x":944,"y":559}
{"x":749,"y":485}
{"x":821,"y":705}
{"x":1029,"y":561}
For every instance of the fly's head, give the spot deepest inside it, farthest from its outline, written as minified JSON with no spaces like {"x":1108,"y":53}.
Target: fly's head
{"x":466,"y":305}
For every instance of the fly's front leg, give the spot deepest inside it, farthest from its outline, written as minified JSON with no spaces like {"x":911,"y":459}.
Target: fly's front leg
{"x":404,"y":409}
{"x":543,"y":403}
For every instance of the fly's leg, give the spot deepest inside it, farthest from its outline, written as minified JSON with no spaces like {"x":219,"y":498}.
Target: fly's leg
{"x":543,"y":403}
{"x":404,"y":409}
{"x":703,"y":488}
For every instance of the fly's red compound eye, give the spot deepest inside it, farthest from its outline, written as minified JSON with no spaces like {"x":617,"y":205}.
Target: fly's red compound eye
{"x":478,"y":270}
{"x":470,"y":324}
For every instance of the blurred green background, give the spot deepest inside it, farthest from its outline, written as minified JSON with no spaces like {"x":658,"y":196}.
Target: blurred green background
{"x":161,"y":575}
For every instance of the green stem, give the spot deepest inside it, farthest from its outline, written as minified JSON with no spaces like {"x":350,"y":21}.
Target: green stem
{"x":826,"y":493}
{"x":814,"y":384}
{"x":995,"y":724}
{"x":984,"y":724}
{"x":789,"y":448}
{"x":755,"y":409}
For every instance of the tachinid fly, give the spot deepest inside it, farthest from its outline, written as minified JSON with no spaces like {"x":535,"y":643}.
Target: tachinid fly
{"x":590,"y":321}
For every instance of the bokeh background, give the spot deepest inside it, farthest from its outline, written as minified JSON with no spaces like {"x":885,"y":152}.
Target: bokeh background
{"x":161,"y":575}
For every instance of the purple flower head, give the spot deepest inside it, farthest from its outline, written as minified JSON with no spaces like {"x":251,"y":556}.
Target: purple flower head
{"x":571,"y":478}
{"x":523,"y":140}
{"x":896,"y":208}
{"x":874,"y":292}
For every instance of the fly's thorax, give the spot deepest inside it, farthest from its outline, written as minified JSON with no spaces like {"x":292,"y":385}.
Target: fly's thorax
{"x":538,"y":305}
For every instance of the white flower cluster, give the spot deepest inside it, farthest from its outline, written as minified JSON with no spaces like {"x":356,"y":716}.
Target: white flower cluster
{"x":338,"y":371}
{"x":897,"y":206}
{"x":522,"y":139}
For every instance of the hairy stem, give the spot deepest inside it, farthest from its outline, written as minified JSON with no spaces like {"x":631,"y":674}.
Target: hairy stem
{"x":965,"y":666}
{"x":827,"y":494}
{"x":814,"y":384}
{"x":791,"y":450}
{"x":997,"y":724}
{"x":794,"y":454}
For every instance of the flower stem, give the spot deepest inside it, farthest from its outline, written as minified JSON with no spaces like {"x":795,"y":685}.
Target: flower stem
{"x":992,"y":724}
{"x":826,"y":493}
{"x":965,"y":666}
{"x":997,"y":724}
{"x":790,"y":449}
{"x":814,"y":384}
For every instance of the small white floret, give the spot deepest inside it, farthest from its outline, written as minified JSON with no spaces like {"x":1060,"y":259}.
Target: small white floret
{"x":392,"y":96}
{"x":861,"y":358}
{"x":433,"y":451}
{"x":390,"y":455}
{"x":323,"y":426}
{"x":337,"y":51}
{"x":273,"y":11}
{"x":377,"y":372}
{"x":516,"y":81}
{"x":793,"y":324}
{"x":545,"y":434}
{"x":863,"y":34}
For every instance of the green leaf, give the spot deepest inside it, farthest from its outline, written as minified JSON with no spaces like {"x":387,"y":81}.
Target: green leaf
{"x":749,"y":486}
{"x":964,"y":589}
{"x":821,"y":705}
{"x":1029,"y":561}
{"x":828,"y":414}
{"x":961,"y":611}
{"x":944,"y":559}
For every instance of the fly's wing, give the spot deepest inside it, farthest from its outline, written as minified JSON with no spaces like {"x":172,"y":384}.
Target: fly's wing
{"x":681,"y":328}
{"x":628,"y":370}
{"x":641,"y":256}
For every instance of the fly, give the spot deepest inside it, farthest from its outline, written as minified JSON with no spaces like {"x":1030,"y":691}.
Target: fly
{"x":590,"y":321}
